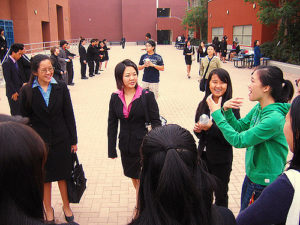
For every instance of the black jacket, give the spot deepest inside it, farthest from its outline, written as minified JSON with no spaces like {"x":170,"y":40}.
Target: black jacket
{"x":3,"y":44}
{"x":12,"y":77}
{"x":218,"y":150}
{"x":25,"y":68}
{"x":57,"y":68}
{"x":82,"y":53}
{"x":54,"y":123}
{"x":92,"y":53}
{"x":132,"y":129}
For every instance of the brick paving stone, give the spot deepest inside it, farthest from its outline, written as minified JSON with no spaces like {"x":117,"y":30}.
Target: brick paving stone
{"x":110,"y":196}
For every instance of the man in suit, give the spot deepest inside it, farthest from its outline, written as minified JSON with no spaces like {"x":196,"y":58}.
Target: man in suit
{"x":24,"y":65}
{"x":63,"y":59}
{"x":13,"y":78}
{"x":90,"y":56}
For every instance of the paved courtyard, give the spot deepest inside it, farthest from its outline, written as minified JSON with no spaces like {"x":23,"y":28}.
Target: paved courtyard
{"x":110,"y":197}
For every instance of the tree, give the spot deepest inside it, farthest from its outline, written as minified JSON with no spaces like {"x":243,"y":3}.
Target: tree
{"x":285,"y":13}
{"x":196,"y":18}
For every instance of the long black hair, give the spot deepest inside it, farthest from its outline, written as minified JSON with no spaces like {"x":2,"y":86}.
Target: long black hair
{"x":27,"y":89}
{"x":295,"y":124}
{"x":281,"y":90}
{"x":174,"y":188}
{"x":223,"y":76}
{"x":22,"y":159}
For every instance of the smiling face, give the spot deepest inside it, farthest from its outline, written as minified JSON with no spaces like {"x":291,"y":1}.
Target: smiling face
{"x":44,"y":72}
{"x":216,"y":86}
{"x":288,"y":132}
{"x":256,"y":89}
{"x":149,"y":48}
{"x":210,"y":51}
{"x":130,"y":77}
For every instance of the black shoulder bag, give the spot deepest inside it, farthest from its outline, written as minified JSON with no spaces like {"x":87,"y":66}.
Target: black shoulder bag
{"x":203,"y":80}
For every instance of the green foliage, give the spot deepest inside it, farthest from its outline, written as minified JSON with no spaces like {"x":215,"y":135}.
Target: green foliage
{"x":287,"y":15}
{"x":196,"y":19}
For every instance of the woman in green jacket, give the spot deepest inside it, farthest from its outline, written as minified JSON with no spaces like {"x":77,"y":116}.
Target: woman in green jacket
{"x":260,"y":131}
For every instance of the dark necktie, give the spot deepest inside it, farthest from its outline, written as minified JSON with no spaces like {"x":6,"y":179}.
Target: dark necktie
{"x":17,"y":66}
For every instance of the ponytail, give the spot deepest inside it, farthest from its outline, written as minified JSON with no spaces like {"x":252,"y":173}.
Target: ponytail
{"x":281,"y":90}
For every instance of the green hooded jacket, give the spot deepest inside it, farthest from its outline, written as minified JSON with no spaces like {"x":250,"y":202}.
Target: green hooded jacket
{"x":261,"y":132}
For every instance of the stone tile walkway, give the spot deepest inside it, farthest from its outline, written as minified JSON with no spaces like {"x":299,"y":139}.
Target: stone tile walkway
{"x":110,"y":196}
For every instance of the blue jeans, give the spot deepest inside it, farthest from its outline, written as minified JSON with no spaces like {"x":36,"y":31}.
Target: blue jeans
{"x":250,"y":190}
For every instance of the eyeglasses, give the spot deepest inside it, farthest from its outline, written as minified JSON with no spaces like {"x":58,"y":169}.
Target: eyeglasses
{"x":297,"y":82}
{"x":50,"y":70}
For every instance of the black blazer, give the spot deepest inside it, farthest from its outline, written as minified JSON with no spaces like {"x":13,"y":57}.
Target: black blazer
{"x":92,"y":53}
{"x":12,"y":77}
{"x":218,"y":150}
{"x":82,"y":53}
{"x":25,"y":68}
{"x":132,"y":129}
{"x":57,"y":68}
{"x":3,"y":44}
{"x":55,"y":123}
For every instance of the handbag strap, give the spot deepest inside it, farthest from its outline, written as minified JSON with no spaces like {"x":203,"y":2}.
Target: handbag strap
{"x":207,"y":66}
{"x":75,"y":158}
{"x":144,"y":102}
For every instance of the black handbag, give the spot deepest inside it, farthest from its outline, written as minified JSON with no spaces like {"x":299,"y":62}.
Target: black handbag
{"x":77,"y":183}
{"x":148,"y":122}
{"x":203,"y":80}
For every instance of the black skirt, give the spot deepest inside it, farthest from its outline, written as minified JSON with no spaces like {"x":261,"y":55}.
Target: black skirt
{"x":131,"y":165}
{"x":188,"y":60}
{"x":59,"y":162}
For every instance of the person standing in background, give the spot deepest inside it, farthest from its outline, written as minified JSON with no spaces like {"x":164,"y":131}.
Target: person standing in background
{"x":223,"y":46}
{"x":70,"y":69}
{"x":82,"y":59}
{"x":123,"y":40}
{"x":24,"y":65}
{"x":106,"y":57}
{"x":62,"y":57}
{"x":13,"y":80}
{"x":216,"y":43}
{"x":90,"y":56}
{"x":188,"y":52}
{"x":3,"y":44}
{"x":257,"y":55}
{"x":58,"y":72}
{"x":152,"y":63}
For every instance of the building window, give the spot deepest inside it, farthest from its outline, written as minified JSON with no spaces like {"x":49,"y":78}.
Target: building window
{"x":163,"y":12}
{"x":217,"y":32}
{"x":243,"y":34}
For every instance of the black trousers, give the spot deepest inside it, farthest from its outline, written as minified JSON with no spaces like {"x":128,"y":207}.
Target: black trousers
{"x":70,"y":72}
{"x":83,"y":69}
{"x":97,"y":66}
{"x":222,"y":173}
{"x":91,"y":68}
{"x":123,"y":45}
{"x":14,"y":106}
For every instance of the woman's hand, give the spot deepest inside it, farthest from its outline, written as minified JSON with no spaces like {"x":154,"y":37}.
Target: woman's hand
{"x":234,"y":103}
{"x":73,"y":148}
{"x":212,"y":105}
{"x":200,"y":127}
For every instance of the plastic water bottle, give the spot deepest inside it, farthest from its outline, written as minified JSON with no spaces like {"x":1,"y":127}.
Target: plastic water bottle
{"x":204,"y":119}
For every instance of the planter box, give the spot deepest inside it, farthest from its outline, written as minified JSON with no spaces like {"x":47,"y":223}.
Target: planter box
{"x":285,"y":67}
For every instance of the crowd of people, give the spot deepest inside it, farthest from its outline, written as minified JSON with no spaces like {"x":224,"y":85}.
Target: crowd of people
{"x":176,"y":182}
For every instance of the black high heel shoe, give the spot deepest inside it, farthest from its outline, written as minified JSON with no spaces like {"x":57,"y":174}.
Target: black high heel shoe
{"x":69,"y":219}
{"x":50,"y":221}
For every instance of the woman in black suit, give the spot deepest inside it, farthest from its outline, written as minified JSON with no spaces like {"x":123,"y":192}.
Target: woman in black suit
{"x":47,"y":104}
{"x":126,"y":106}
{"x":213,"y":148}
{"x":83,"y":61}
{"x":188,"y":52}
{"x":58,"y":72}
{"x":106,"y":57}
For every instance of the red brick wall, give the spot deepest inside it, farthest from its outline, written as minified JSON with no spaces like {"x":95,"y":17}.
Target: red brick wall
{"x":96,"y":19}
{"x":139,"y":18}
{"x":240,"y":13}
